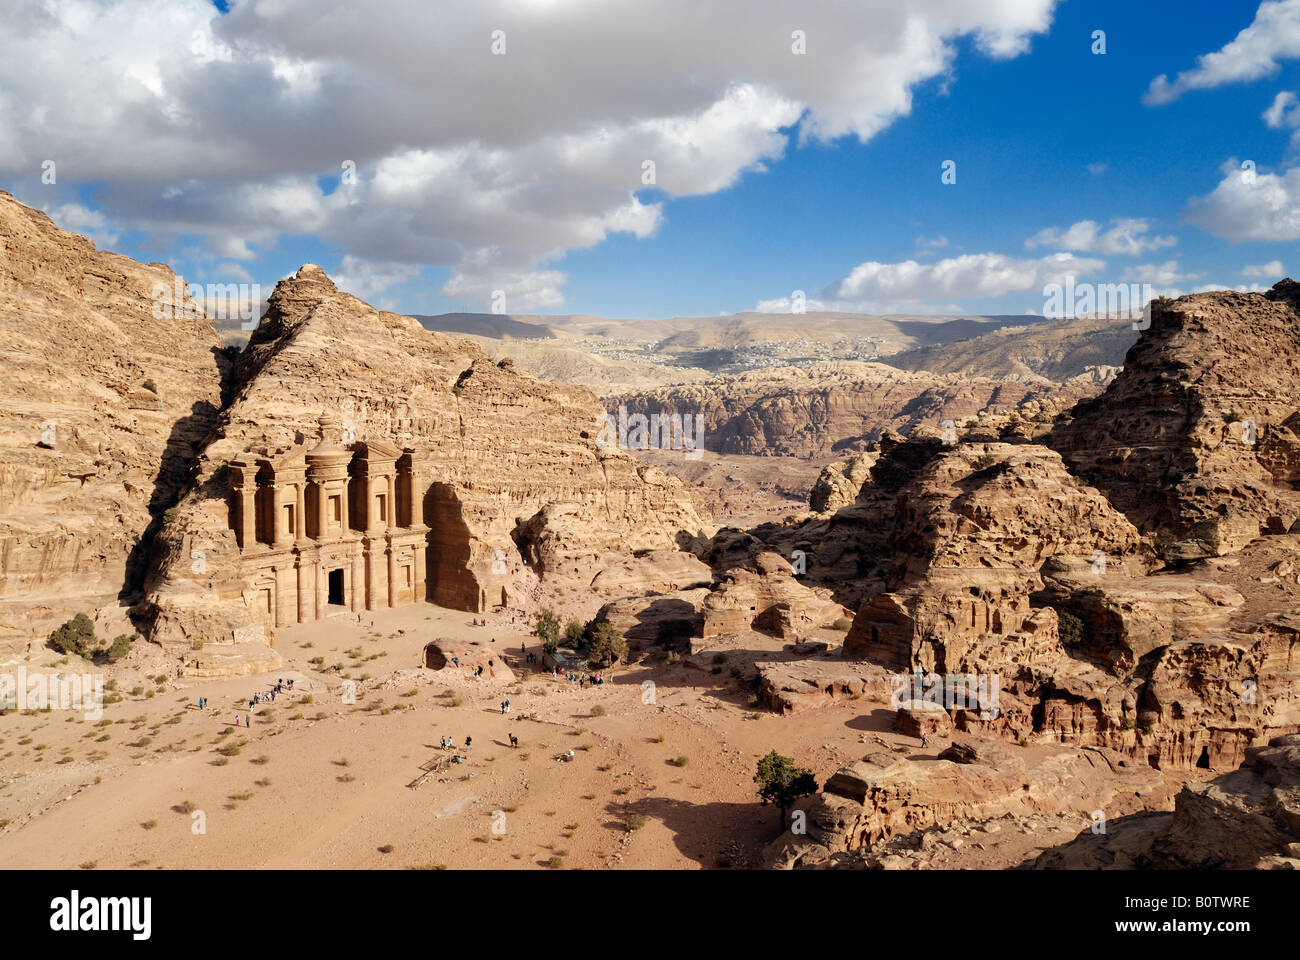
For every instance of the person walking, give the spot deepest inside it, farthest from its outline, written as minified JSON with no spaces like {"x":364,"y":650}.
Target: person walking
{"x":469,"y":742}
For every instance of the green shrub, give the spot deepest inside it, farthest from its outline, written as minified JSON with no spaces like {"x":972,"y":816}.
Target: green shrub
{"x":119,"y":648}
{"x":607,"y":645}
{"x":1071,"y":628}
{"x":76,"y":637}
{"x":548,"y":628}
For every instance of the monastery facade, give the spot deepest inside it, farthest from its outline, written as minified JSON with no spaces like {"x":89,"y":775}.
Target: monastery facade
{"x":328,"y":528}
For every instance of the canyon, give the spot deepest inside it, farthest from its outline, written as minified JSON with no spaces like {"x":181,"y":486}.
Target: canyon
{"x":1104,"y":564}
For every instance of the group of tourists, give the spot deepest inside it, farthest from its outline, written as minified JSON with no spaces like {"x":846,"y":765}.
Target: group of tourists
{"x":580,"y":678}
{"x":281,"y":686}
{"x":505,"y":707}
{"x":449,"y":743}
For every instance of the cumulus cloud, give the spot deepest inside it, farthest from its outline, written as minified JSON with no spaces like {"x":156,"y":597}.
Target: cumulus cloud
{"x":1248,"y":205}
{"x":1263,"y":271}
{"x":391,"y":131}
{"x":1126,"y":237}
{"x":1273,"y":36}
{"x":971,"y":275}
{"x":77,"y":218}
{"x":1282,"y":111}
{"x":1166,"y":275}
{"x":364,"y":279}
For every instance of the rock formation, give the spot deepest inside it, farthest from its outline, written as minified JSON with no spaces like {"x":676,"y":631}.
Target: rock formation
{"x":885,"y":795}
{"x":502,"y":470}
{"x":1244,"y":820}
{"x":1198,"y":437}
{"x":826,"y":407}
{"x":112,"y":378}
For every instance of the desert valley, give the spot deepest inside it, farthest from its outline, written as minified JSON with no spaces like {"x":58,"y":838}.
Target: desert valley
{"x":362,"y":593}
{"x":470,"y":466}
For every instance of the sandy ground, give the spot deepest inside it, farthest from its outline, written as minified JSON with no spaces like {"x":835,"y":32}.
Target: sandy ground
{"x":660,"y":777}
{"x":317,"y":782}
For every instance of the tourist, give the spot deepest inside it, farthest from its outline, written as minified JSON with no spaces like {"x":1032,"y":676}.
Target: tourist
{"x":925,"y":741}
{"x":247,"y":721}
{"x":469,"y":741}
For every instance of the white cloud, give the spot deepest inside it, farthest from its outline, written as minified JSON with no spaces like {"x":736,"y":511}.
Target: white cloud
{"x":1097,"y":169}
{"x":83,"y":220}
{"x":1248,"y":205}
{"x":1282,"y":111}
{"x":1263,"y":271}
{"x":1284,"y":114}
{"x":970,"y":275}
{"x":193,"y":123}
{"x":1273,"y":35}
{"x":928,"y":244}
{"x":234,"y":273}
{"x":1126,"y":237}
{"x":1157,"y":274}
{"x":364,"y":279}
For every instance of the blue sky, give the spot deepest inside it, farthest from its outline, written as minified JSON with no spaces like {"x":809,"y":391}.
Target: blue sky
{"x":1045,"y":134}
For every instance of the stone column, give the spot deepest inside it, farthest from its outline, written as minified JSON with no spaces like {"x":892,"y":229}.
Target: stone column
{"x":392,"y":565}
{"x":317,"y":613}
{"x":419,"y":572}
{"x":322,"y":505}
{"x":300,"y":512}
{"x":372,"y":520}
{"x":358,"y":584}
{"x":344,"y":507}
{"x":392,"y":502}
{"x":247,"y":515}
{"x":279,"y":534}
{"x":305,"y":580}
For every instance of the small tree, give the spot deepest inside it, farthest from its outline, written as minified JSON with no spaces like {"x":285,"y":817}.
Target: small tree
{"x":574,"y":633}
{"x":119,"y":648}
{"x":782,"y":783}
{"x":548,"y":626}
{"x":76,"y":637}
{"x":607,"y":645}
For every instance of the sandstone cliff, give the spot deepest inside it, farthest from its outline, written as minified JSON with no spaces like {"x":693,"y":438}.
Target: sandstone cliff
{"x":106,"y":396}
{"x":1247,"y":819}
{"x":1197,"y":437}
{"x":827,"y":407}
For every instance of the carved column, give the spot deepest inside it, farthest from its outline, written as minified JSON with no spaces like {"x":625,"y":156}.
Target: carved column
{"x":279,"y":533}
{"x":322,"y":505}
{"x":305,"y":581}
{"x":300,"y":512}
{"x":247,"y":514}
{"x":392,"y":566}
{"x":359,"y":598}
{"x":392,"y":502}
